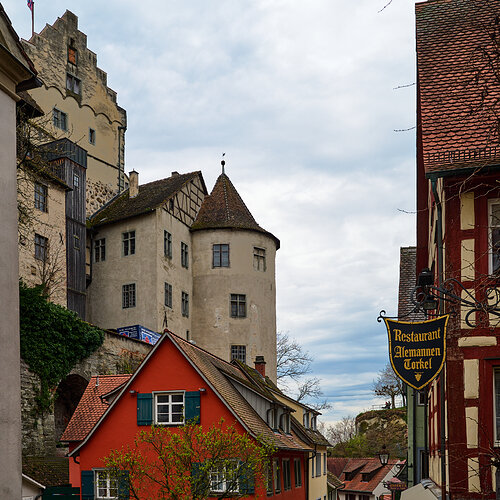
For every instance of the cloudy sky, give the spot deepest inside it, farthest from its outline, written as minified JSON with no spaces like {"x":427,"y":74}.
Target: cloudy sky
{"x":302,"y":97}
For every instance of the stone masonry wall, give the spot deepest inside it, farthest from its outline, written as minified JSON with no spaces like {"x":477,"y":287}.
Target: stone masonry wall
{"x":118,"y":354}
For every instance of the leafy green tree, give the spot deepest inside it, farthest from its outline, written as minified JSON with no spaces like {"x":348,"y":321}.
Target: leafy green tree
{"x":191,"y":462}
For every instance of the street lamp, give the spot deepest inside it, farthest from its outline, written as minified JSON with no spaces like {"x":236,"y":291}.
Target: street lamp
{"x":383,"y":456}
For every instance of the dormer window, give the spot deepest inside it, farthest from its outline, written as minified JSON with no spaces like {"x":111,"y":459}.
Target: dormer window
{"x":285,"y":423}
{"x":306,"y":420}
{"x":313,"y":423}
{"x":271,"y":418}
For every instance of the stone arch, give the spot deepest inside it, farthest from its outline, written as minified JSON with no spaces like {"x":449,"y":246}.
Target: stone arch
{"x":68,"y":394}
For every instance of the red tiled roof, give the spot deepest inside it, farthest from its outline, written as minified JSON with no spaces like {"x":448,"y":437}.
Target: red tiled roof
{"x":92,"y":406}
{"x":336,"y":465}
{"x":362,"y":465}
{"x":224,"y":209}
{"x":457,"y":90}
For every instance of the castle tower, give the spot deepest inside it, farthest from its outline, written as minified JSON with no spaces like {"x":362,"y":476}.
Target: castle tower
{"x":234,"y":284}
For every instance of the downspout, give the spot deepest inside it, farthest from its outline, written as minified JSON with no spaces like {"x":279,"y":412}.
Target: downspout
{"x":439,"y":234}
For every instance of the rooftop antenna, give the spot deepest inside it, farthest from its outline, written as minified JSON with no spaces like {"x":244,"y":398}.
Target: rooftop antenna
{"x":223,"y":162}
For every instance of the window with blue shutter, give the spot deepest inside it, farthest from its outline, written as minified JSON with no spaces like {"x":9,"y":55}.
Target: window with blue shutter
{"x":144,"y":409}
{"x":87,"y":485}
{"x":192,"y":407}
{"x":123,"y":485}
{"x":247,"y":480}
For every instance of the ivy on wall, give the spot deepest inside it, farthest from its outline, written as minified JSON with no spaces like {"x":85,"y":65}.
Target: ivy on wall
{"x":53,"y":340}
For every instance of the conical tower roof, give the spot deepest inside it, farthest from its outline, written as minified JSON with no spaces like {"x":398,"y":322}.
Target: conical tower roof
{"x":224,"y":209}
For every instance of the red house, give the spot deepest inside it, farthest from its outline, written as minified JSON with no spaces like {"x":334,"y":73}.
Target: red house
{"x":177,"y":382}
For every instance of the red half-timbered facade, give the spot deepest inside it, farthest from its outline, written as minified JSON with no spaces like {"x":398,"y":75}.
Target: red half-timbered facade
{"x":458,"y":235}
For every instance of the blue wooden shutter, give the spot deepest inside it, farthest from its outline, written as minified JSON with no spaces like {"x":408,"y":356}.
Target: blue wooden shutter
{"x":247,"y":480}
{"x":192,"y":407}
{"x":87,"y":484}
{"x":123,"y":485}
{"x":144,"y":409}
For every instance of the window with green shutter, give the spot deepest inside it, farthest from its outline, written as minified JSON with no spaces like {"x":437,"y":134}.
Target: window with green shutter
{"x":87,"y":485}
{"x":144,"y":409}
{"x":193,"y":406}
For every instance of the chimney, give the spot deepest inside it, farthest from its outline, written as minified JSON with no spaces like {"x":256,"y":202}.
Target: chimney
{"x":175,"y":173}
{"x":133,"y":189}
{"x":260,"y":365}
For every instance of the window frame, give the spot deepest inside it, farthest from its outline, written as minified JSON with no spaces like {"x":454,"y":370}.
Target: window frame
{"x":285,"y":422}
{"x":276,"y":476}
{"x":73,"y":84}
{"x":219,"y":250}
{"x":41,"y":247}
{"x":128,"y":243}
{"x":287,"y":476}
{"x":92,"y":136}
{"x":297,"y":472}
{"x":129,"y":303}
{"x":41,"y":197}
{"x":237,"y":305}
{"x":185,"y":304}
{"x":100,"y":250}
{"x":168,"y":295}
{"x":60,"y":119}
{"x":259,"y":259}
{"x":109,"y":479}
{"x":318,"y":464}
{"x":184,"y":255}
{"x":167,"y":244}
{"x":491,"y":227}
{"x":236,"y":352}
{"x":157,"y":394}
{"x":223,"y":473}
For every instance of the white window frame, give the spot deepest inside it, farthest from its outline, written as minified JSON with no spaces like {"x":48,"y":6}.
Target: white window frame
{"x":219,"y":477}
{"x":109,"y":480}
{"x":495,"y":201}
{"x":156,"y":394}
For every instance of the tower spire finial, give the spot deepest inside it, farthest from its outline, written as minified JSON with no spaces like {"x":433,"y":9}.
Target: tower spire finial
{"x":223,"y":162}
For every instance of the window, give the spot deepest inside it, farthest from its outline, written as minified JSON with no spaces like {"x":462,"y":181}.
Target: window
{"x":73,"y":84}
{"x":318,"y":464}
{"x":169,"y":408}
{"x":269,"y":485}
{"x":271,"y":418}
{"x":223,"y":479}
{"x":324,"y":464}
{"x":285,"y":423}
{"x":76,"y":181}
{"x":128,"y":243}
{"x":494,"y":230}
{"x":313,"y":422}
{"x":276,"y":476}
{"x":59,"y":119}
{"x":76,"y":242}
{"x":128,"y":296}
{"x":100,"y":250}
{"x":41,"y":247}
{"x":72,"y":55}
{"x":239,"y":352}
{"x":497,"y":407}
{"x":106,"y":485}
{"x":41,"y":195}
{"x":168,"y":295}
{"x":184,"y":255}
{"x":167,"y":244}
{"x":92,"y":136}
{"x":259,"y":259}
{"x":297,"y":472}
{"x":305,"y":420}
{"x":185,"y":304}
{"x":238,"y":306}
{"x":220,"y":254}
{"x":287,"y":480}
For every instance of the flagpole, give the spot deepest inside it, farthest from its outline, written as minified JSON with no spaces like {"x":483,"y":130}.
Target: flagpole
{"x":33,"y":19}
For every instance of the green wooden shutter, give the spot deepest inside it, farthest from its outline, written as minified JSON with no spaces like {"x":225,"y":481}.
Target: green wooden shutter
{"x":123,"y":485}
{"x":192,"y":407}
{"x":200,"y":481}
{"x":87,"y":484}
{"x":144,"y":409}
{"x":247,"y":480}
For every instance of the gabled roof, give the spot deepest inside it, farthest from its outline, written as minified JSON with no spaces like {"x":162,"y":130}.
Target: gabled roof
{"x":92,"y":406}
{"x":457,"y":91}
{"x":361,"y":466}
{"x":48,"y":471}
{"x":217,"y":373}
{"x":150,"y":197}
{"x":333,"y":481}
{"x":224,"y":209}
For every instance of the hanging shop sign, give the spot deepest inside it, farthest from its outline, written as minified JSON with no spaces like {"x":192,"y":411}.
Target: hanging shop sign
{"x":417,"y":350}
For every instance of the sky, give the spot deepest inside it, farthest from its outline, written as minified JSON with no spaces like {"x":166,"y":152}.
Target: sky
{"x":314,"y":105}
